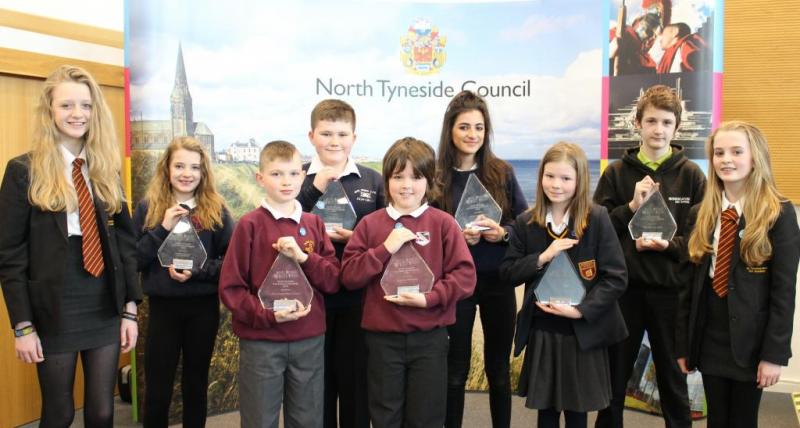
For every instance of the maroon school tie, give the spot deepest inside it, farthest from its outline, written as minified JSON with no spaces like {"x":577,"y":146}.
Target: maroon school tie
{"x":92,"y":253}
{"x":727,"y":239}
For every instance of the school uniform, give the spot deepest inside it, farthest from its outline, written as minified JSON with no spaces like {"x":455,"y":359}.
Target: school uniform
{"x":278,"y":362}
{"x":498,"y":308}
{"x":183,"y":319}
{"x":41,"y":267}
{"x":345,"y":350}
{"x":566,"y":361}
{"x":727,"y":337}
{"x":44,"y":281}
{"x":654,"y":277}
{"x":407,"y":347}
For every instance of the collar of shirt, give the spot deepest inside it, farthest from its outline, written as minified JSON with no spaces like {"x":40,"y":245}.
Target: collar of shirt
{"x":653,"y":164}
{"x":349,"y":168}
{"x":557,"y":228}
{"x":69,"y":158}
{"x":738,"y":205}
{"x":296,"y":214}
{"x":394,"y":214}
{"x":474,"y":167}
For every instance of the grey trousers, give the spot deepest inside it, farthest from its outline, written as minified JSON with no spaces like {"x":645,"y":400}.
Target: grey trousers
{"x":275,"y":372}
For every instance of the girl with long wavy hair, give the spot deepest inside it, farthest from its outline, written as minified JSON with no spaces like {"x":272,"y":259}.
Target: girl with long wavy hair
{"x":735,"y":316}
{"x":67,"y":253}
{"x":183,"y":304}
{"x":465,"y":148}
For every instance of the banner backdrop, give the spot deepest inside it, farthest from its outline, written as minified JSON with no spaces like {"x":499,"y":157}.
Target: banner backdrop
{"x":239,"y":74}
{"x":677,"y":43}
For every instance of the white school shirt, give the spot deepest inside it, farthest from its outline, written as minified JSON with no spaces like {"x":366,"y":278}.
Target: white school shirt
{"x":739,"y":206}
{"x":73,"y":219}
{"x":349,"y":168}
{"x":556,"y":228}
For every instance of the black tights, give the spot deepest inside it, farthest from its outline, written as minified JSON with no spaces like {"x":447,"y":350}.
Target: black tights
{"x":548,"y":418}
{"x":57,"y":378}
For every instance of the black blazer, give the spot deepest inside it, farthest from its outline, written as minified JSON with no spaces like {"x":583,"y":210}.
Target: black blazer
{"x":602,"y":323}
{"x":33,"y":251}
{"x":760,"y":299}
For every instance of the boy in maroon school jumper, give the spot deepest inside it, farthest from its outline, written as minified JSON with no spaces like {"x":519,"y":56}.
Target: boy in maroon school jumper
{"x":280,"y":352}
{"x":406,"y":335}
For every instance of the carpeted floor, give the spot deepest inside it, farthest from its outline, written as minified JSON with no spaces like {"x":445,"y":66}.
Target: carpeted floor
{"x":776,"y":412}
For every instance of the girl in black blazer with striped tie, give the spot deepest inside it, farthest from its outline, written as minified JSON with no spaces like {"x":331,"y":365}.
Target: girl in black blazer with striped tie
{"x":735,"y":316}
{"x":566,"y":362}
{"x":67,"y":252}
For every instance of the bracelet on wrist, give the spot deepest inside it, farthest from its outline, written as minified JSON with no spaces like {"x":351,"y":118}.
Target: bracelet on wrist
{"x":24,"y":331}
{"x":130,"y":316}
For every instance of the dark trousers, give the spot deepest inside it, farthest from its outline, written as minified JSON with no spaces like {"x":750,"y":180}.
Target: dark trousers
{"x":550,"y":418}
{"x":731,"y":403}
{"x":178,"y":326}
{"x":407,"y":378}
{"x":654,"y":311}
{"x":498,"y":309}
{"x":345,"y":369}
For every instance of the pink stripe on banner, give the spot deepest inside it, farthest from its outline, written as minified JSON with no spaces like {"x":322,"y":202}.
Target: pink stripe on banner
{"x":127,"y":112}
{"x":604,"y":118}
{"x":716,"y":101}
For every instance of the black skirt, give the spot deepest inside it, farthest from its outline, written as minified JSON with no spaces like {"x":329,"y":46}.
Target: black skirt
{"x":557,"y":374}
{"x":88,"y":317}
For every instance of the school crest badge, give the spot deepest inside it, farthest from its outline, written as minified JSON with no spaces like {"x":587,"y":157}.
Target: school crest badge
{"x":422,"y":48}
{"x":423,"y":238}
{"x":308,"y":246}
{"x":588,"y":269}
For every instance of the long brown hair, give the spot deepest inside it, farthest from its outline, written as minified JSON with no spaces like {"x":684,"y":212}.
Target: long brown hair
{"x":492,"y":171}
{"x":159,"y":193}
{"x":762,"y":201}
{"x":49,"y":189}
{"x":581,"y":204}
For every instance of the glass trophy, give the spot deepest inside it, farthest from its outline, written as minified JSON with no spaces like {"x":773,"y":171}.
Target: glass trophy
{"x":653,"y":220}
{"x":475,"y":202}
{"x":406,"y":272}
{"x":560,"y":283}
{"x":335,"y":208}
{"x":182,"y":247}
{"x":285,"y":286}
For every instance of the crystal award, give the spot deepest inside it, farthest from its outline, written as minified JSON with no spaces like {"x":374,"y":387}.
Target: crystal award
{"x":475,"y":202}
{"x":560,"y":282}
{"x":182,"y":247}
{"x":285,"y":286}
{"x":653,"y":220}
{"x":406,"y":272}
{"x":335,"y":208}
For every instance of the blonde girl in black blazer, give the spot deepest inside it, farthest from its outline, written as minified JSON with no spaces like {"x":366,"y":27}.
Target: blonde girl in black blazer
{"x":56,"y":306}
{"x":739,"y":337}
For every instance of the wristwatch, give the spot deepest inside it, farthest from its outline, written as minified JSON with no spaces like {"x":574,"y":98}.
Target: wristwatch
{"x":506,"y":237}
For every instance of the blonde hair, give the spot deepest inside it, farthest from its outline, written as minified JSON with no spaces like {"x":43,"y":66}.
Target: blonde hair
{"x":277,"y":150}
{"x":762,"y":201}
{"x":159,"y":193}
{"x":581,"y":203}
{"x":49,"y":189}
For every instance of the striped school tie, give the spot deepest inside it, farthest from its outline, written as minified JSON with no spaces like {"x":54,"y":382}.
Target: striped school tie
{"x":727,"y":239}
{"x":92,"y":253}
